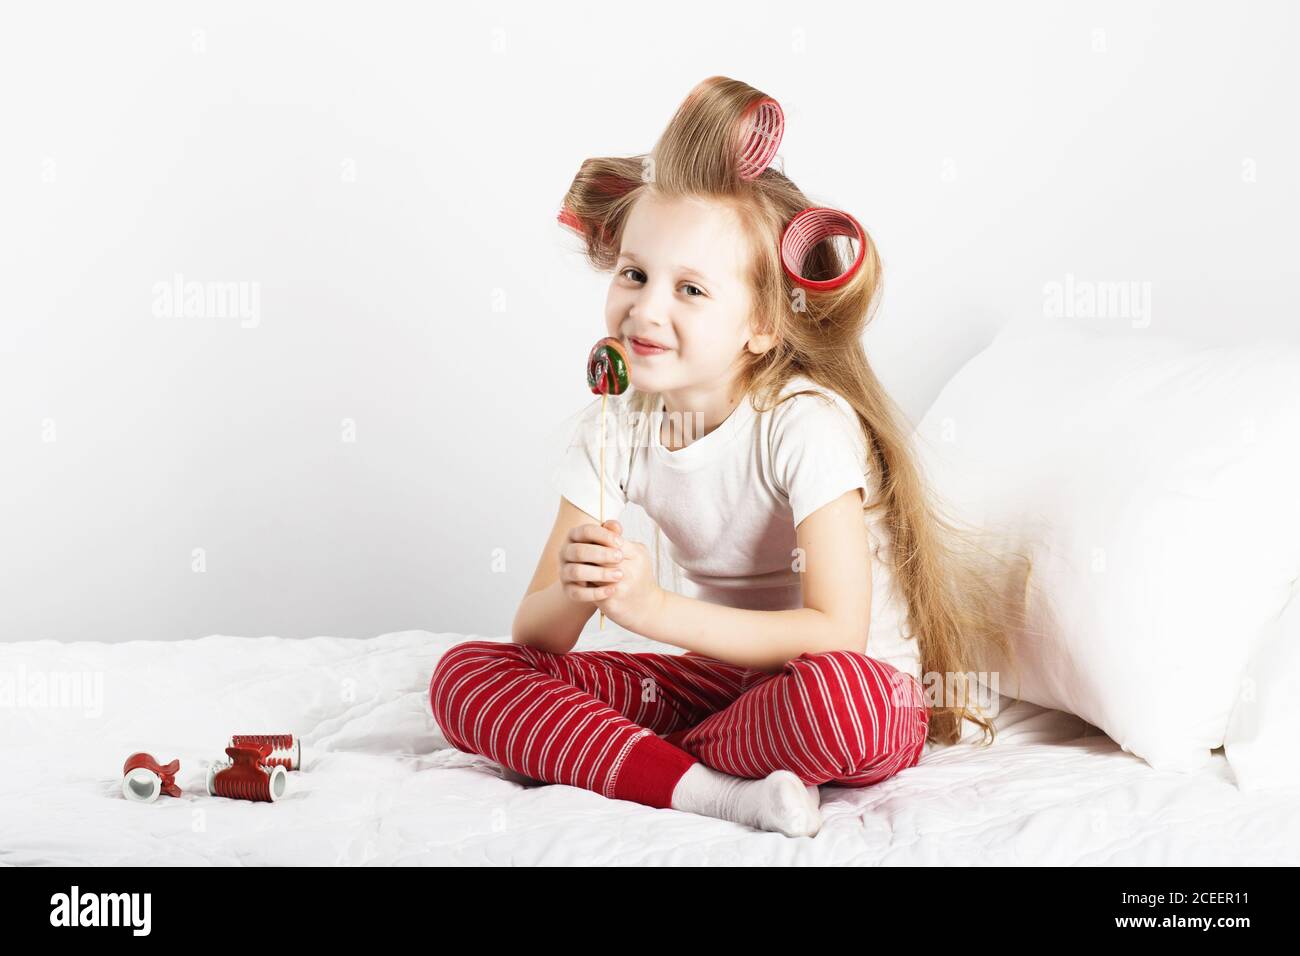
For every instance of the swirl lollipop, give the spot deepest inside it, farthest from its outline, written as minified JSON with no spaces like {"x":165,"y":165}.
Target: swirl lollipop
{"x":607,"y":374}
{"x":607,"y":368}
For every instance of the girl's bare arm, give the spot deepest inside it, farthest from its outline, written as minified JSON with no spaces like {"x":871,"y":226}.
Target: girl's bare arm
{"x":836,"y":615}
{"x":547,"y":617}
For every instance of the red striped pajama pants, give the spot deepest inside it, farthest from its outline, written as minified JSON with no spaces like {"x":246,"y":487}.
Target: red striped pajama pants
{"x":628,"y":725}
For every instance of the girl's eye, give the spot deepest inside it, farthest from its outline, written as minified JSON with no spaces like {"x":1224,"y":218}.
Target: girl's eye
{"x":688,"y":285}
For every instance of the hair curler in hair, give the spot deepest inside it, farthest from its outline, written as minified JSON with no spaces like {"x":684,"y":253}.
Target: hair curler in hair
{"x":805,"y":230}
{"x":762,"y":126}
{"x":567,"y":218}
{"x":603,"y":187}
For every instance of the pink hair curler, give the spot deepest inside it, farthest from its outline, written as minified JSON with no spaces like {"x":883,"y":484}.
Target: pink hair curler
{"x":809,"y":227}
{"x":764,"y":126}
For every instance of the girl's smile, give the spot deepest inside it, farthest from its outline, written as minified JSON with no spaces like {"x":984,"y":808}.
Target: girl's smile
{"x":641,"y":347}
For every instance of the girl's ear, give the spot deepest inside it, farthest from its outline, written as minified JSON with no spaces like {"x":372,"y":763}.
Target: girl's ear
{"x":758,"y":344}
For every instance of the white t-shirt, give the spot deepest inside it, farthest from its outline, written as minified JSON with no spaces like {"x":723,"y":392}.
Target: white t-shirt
{"x":729,"y":503}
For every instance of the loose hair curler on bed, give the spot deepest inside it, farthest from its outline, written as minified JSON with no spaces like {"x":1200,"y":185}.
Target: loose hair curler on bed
{"x":246,"y":775}
{"x":144,"y":778}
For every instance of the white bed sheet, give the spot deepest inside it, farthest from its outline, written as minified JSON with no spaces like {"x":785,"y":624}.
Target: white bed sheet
{"x":380,"y":785}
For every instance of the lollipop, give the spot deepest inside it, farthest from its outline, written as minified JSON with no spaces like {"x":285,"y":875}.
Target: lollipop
{"x":606,"y":375}
{"x":607,"y":368}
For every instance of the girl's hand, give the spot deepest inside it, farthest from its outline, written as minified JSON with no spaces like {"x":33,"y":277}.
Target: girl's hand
{"x":589,"y":562}
{"x":637,"y":597}
{"x":617,"y":579}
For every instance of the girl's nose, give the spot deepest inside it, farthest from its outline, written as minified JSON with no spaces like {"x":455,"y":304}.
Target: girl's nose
{"x":651,"y":304}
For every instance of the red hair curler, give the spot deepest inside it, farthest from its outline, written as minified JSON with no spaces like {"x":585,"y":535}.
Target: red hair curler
{"x":802,"y":234}
{"x":763,"y":126}
{"x":246,"y":776}
{"x":612,"y":186}
{"x":286,"y":749}
{"x":144,"y":778}
{"x":566,"y":217}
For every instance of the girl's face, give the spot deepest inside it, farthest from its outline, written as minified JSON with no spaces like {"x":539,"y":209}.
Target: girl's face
{"x":680,"y":282}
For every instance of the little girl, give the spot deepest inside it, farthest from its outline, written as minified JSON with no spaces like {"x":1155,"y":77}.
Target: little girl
{"x":758,"y":438}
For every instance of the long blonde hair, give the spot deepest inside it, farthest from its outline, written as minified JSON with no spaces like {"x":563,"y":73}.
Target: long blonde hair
{"x":963,"y":599}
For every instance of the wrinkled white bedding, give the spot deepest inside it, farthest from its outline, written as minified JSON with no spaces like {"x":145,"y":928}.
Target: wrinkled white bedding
{"x":380,"y":785}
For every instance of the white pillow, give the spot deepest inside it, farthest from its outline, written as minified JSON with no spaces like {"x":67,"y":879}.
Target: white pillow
{"x":1156,"y":485}
{"x":1261,"y":740}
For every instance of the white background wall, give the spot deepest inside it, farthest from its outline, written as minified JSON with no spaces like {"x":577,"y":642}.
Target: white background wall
{"x":388,"y":177}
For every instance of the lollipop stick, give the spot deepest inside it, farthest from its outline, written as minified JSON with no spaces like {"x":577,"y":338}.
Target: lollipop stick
{"x":602,"y":481}
{"x":606,"y":373}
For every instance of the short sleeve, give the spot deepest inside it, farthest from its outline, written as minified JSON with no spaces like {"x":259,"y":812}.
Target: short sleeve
{"x":818,"y":453}
{"x":576,"y":475}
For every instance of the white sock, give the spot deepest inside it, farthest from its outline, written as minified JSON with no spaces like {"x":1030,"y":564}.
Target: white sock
{"x":780,"y":802}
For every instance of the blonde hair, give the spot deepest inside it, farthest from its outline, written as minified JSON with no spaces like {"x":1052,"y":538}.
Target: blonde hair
{"x":963,"y":599}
